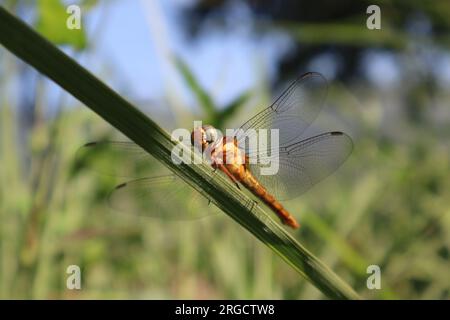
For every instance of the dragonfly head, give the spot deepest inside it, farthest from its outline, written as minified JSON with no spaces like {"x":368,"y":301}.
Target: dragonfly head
{"x":204,"y":136}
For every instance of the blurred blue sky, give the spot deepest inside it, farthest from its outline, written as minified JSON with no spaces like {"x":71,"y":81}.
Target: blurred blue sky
{"x":138,"y":37}
{"x":132,"y":42}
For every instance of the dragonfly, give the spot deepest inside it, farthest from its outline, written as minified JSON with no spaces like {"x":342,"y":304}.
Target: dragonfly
{"x":301,"y":161}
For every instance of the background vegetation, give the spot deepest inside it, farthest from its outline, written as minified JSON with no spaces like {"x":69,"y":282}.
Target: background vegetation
{"x":388,"y":205}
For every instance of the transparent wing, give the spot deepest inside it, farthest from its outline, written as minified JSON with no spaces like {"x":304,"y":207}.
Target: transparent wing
{"x":161,"y":196}
{"x":297,"y":163}
{"x":302,"y":164}
{"x":117,"y":159}
{"x":291,"y":113}
{"x":165,"y":197}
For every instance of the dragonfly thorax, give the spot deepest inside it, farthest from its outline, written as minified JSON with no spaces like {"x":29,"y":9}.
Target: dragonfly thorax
{"x":204,"y":136}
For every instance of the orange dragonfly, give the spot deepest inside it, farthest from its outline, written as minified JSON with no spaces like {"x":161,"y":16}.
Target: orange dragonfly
{"x":301,"y":162}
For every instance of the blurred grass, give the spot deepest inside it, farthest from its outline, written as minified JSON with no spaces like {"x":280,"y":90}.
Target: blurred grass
{"x":214,"y":115}
{"x":349,"y":34}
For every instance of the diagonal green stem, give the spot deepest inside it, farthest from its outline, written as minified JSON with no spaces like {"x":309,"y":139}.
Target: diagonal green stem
{"x":28,"y":45}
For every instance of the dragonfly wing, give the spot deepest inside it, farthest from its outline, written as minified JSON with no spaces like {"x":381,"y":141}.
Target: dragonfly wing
{"x":160,"y":196}
{"x":167,"y":197}
{"x":302,"y":164}
{"x":117,"y":159}
{"x":291,"y":113}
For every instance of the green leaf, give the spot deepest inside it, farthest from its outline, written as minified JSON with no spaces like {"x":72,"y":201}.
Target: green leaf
{"x":231,"y":109}
{"x":28,"y":45}
{"x":88,"y":4}
{"x":202,"y":96}
{"x":350,"y":34}
{"x":51,"y":22}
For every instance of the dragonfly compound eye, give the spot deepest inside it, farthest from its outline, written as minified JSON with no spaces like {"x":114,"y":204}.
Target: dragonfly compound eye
{"x":197,"y":137}
{"x":210,"y":134}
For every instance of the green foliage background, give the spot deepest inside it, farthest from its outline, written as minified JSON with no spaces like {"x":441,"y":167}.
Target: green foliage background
{"x":388,"y":205}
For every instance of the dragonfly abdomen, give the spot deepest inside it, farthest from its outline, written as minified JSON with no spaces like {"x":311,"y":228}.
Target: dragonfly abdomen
{"x":250,"y":182}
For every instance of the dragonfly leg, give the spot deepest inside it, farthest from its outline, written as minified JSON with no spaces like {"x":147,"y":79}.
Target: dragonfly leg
{"x":227,"y":172}
{"x":214,"y":165}
{"x":254,"y":203}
